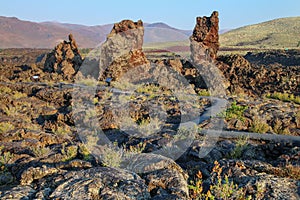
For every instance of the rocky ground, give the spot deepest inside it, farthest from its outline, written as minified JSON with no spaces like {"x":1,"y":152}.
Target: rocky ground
{"x":54,"y":131}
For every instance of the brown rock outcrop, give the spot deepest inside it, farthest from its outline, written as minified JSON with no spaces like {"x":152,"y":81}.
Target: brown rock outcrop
{"x":122,"y":50}
{"x":205,"y":38}
{"x":65,"y":59}
{"x":204,"y":47}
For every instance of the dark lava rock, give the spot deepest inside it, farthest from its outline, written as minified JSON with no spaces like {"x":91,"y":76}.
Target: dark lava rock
{"x":254,"y":79}
{"x":163,"y":176}
{"x":101,"y":183}
{"x":65,"y":59}
{"x":282,"y":57}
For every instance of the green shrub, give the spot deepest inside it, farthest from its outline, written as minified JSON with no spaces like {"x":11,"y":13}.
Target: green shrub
{"x":18,"y":95}
{"x":204,"y":93}
{"x":5,"y":127}
{"x":69,"y":152}
{"x":6,"y":157}
{"x":11,"y":111}
{"x":259,"y":126}
{"x":235,"y":112}
{"x":284,"y":97}
{"x":84,"y":151}
{"x":139,"y":148}
{"x":112,"y":156}
{"x":219,"y":189}
{"x":5,"y":90}
{"x":279,"y":129}
{"x":40,"y":152}
{"x":241,"y":145}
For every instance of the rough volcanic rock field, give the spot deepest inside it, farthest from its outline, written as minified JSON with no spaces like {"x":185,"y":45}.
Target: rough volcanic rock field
{"x":59,"y":140}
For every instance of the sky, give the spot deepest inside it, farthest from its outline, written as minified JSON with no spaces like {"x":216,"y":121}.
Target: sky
{"x":177,"y":13}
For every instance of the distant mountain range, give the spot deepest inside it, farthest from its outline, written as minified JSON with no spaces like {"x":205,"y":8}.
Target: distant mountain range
{"x":16,"y":33}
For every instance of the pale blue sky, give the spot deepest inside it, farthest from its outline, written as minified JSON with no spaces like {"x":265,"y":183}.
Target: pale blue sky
{"x":180,"y":14}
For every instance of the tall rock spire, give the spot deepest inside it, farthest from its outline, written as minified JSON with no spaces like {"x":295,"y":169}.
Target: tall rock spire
{"x":205,"y":38}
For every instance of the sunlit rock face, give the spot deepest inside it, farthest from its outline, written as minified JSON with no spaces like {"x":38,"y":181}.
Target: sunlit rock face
{"x":122,"y":49}
{"x":205,"y":38}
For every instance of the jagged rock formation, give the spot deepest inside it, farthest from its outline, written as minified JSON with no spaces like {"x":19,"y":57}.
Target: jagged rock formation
{"x":65,"y":59}
{"x":253,"y":79}
{"x":124,"y":63}
{"x":204,"y":47}
{"x":205,"y":38}
{"x":236,"y":69}
{"x":122,"y":50}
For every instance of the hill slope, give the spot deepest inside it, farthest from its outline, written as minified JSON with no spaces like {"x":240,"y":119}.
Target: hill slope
{"x":278,"y":33}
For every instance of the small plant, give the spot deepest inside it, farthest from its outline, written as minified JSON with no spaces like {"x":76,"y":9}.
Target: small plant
{"x":5,"y":158}
{"x":139,"y":148}
{"x":148,"y":89}
{"x":5,"y":127}
{"x":84,"y":52}
{"x":11,"y":111}
{"x":297,"y":119}
{"x":220,"y":189}
{"x":69,"y":153}
{"x":31,"y":126}
{"x":241,"y":145}
{"x":148,"y":126}
{"x":260,"y":190}
{"x":112,"y":156}
{"x":259,"y":126}
{"x":195,"y":187}
{"x":204,"y":92}
{"x":18,"y":95}
{"x":90,"y":114}
{"x":279,"y":129}
{"x":185,"y":133}
{"x":143,"y":126}
{"x":124,"y":85}
{"x":235,"y":112}
{"x":95,"y":100}
{"x":83,"y":150}
{"x":5,"y":90}
{"x":284,"y":97}
{"x":62,"y":131}
{"x":224,"y":189}
{"x":40,"y":152}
